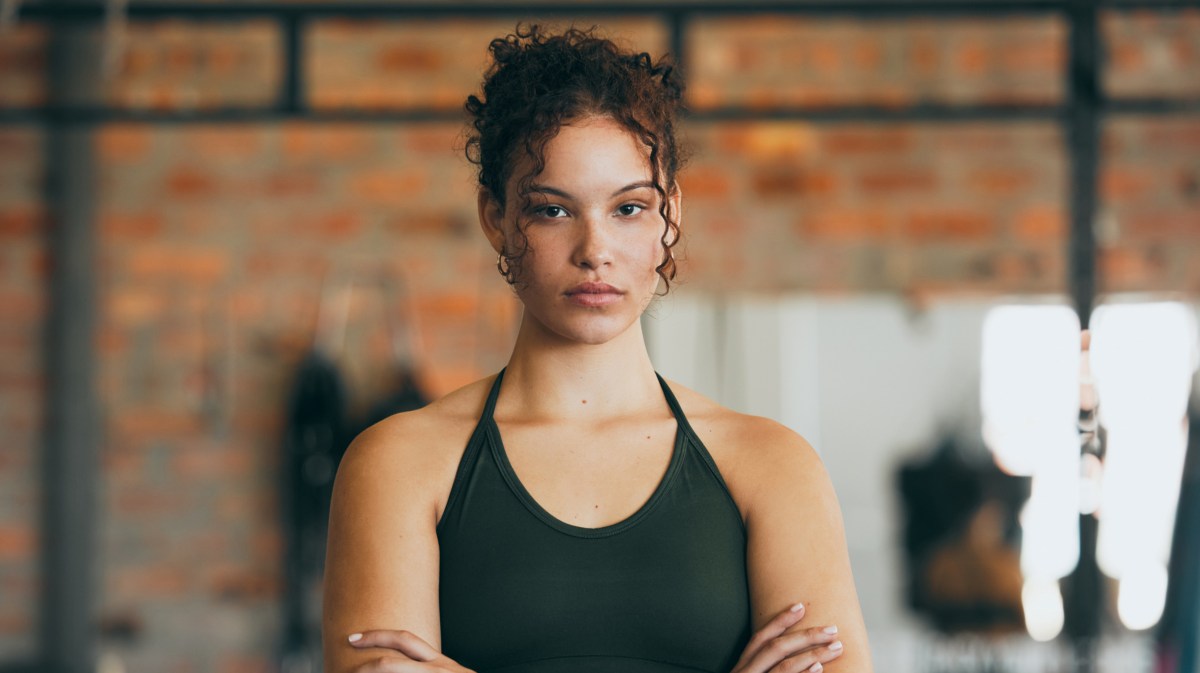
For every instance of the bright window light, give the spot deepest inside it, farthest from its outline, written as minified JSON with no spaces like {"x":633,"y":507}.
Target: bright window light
{"x":1043,"y":605}
{"x":1029,"y":385}
{"x":1142,"y":359}
{"x":1030,"y":402}
{"x":1141,"y":595}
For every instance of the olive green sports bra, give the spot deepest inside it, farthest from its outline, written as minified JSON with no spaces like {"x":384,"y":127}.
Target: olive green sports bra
{"x":663,"y":591}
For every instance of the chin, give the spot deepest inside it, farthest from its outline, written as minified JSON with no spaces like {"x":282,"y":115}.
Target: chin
{"x":593,"y":329}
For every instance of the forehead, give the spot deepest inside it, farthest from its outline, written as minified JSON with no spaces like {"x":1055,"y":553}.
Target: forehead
{"x":595,"y":151}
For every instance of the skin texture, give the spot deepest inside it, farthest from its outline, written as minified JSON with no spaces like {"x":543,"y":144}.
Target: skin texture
{"x":582,"y":373}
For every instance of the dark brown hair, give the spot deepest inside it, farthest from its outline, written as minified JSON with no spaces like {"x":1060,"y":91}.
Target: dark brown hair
{"x":538,"y":82}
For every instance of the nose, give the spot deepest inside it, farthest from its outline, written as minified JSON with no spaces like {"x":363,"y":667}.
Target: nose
{"x":594,"y":246}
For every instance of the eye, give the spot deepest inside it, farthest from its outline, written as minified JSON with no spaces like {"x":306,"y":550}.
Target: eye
{"x":630,"y":209}
{"x":551,"y":212}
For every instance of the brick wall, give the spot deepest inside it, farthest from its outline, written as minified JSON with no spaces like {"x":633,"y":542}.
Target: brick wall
{"x":214,"y":239}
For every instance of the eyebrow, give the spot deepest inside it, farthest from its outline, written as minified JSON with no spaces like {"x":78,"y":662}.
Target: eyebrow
{"x":538,"y":188}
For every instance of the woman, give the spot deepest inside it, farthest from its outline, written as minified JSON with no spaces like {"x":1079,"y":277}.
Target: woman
{"x":576,"y":512}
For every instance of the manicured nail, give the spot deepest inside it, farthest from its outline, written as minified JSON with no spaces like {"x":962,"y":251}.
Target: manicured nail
{"x":798,"y":607}
{"x":817,"y":668}
{"x":355,"y":637}
{"x":830,"y":630}
{"x":835,"y":646}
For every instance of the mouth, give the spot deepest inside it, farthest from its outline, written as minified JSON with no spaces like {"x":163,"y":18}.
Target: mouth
{"x":593,"y":294}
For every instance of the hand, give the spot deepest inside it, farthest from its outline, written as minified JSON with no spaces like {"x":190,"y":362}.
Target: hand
{"x":773,"y":650}
{"x":418,"y":655}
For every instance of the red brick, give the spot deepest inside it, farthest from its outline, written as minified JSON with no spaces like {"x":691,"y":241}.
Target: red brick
{"x":404,"y":58}
{"x":1161,"y":224}
{"x":225,"y":142}
{"x":16,"y":541}
{"x":245,"y":663}
{"x":972,"y":59}
{"x":457,"y":306}
{"x":22,"y":221}
{"x":1128,"y":268}
{"x":134,"y":305}
{"x":189,"y":264}
{"x":388,"y":186}
{"x":1037,"y":56}
{"x":142,"y":501}
{"x":15,"y":624}
{"x":433,"y":141}
{"x":333,"y":142}
{"x":25,"y":306}
{"x":188,"y":182}
{"x":867,"y":140}
{"x":248,"y":584}
{"x":429,"y":223}
{"x":1126,"y":182}
{"x":846,"y":224}
{"x":194,"y":460}
{"x":704,"y":183}
{"x":1000,"y":182}
{"x":131,"y":226}
{"x":132,"y":422}
{"x":1171,"y":137}
{"x":123,"y":143}
{"x":924,"y":55}
{"x":161,"y":581}
{"x":1038,"y":224}
{"x":897,"y":180}
{"x":110,"y":341}
{"x":292,"y":183}
{"x":936,"y":225}
{"x":782,"y":183}
{"x":769,"y":141}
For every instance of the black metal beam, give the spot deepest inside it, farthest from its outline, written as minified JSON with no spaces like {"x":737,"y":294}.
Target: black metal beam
{"x":291,"y":97}
{"x":289,"y":109}
{"x":1083,"y":595}
{"x":865,"y":9}
{"x":71,"y":437}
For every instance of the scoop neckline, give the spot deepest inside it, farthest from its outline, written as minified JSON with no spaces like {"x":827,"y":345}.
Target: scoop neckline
{"x":527,"y":499}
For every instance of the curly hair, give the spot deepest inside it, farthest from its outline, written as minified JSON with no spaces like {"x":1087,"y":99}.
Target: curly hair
{"x":538,"y":82}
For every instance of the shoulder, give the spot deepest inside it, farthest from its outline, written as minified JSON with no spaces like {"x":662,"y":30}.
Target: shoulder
{"x":757,"y":456}
{"x":419,"y":448}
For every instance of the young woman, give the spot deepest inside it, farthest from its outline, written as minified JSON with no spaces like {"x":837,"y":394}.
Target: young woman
{"x":576,"y":512}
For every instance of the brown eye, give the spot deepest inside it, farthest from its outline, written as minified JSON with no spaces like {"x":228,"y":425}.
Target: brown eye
{"x":630,"y":209}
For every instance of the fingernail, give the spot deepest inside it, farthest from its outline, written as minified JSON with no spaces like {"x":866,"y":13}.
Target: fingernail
{"x":355,"y":637}
{"x":830,"y":630}
{"x":817,"y":668}
{"x":798,"y":607}
{"x":835,"y":645}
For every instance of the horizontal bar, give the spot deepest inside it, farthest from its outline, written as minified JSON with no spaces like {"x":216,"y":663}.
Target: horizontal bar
{"x":864,"y":9}
{"x":868,"y":113}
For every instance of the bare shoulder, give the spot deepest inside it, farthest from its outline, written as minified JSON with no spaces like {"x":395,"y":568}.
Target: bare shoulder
{"x":754,"y":454}
{"x":381,"y":568}
{"x":419,"y":448}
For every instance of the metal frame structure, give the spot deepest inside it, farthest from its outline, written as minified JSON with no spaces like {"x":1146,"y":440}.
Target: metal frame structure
{"x":71,"y":448}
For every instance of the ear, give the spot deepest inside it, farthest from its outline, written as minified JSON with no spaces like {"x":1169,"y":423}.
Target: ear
{"x":675,"y":201}
{"x":491,"y":217}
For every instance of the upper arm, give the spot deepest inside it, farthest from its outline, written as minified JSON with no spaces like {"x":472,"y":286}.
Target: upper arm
{"x":381,"y":568}
{"x":796,"y":547}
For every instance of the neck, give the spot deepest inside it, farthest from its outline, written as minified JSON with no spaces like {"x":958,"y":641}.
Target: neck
{"x":551,"y":378}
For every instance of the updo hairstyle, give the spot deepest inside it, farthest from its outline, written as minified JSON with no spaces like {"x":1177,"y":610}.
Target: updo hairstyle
{"x":538,"y":82}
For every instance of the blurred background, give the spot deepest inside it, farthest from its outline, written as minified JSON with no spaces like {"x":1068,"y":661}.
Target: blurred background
{"x":233,"y":234}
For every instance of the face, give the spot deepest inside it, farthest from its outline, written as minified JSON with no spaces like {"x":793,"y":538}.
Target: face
{"x":593,"y":230}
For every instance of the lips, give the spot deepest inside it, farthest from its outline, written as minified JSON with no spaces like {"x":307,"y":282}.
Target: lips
{"x":593,"y":294}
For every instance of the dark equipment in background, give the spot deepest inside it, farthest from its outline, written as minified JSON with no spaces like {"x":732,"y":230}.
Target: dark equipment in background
{"x":1178,"y":633}
{"x":319,"y":429}
{"x":960,"y":540}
